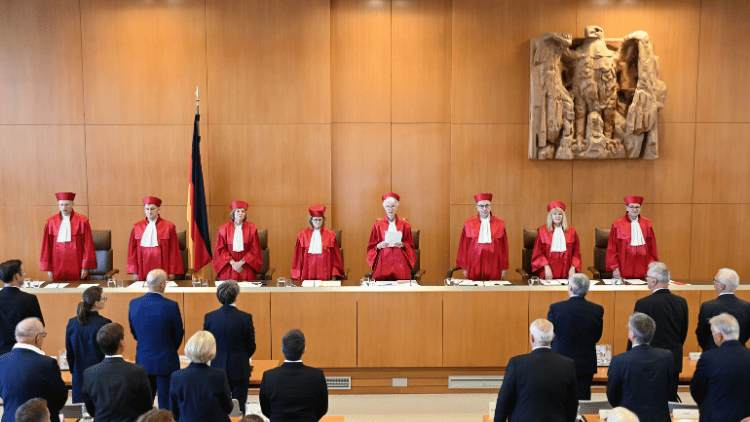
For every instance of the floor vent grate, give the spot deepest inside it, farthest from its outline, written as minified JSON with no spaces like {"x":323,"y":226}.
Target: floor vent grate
{"x":471,"y":382}
{"x":339,"y":383}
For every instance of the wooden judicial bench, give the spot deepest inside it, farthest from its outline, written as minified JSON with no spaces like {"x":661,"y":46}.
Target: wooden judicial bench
{"x":596,"y":418}
{"x":374,"y":334}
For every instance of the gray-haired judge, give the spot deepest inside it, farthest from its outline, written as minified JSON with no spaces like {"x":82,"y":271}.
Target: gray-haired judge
{"x":199,"y":392}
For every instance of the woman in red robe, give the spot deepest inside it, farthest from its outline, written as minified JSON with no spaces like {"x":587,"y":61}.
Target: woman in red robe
{"x":317,"y":255}
{"x":391,"y":261}
{"x":237,"y":255}
{"x":557,"y":252}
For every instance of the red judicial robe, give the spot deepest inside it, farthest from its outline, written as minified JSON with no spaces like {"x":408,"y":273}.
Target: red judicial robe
{"x":560,"y":262}
{"x":166,"y":256}
{"x":67,"y":259}
{"x":483,"y":261}
{"x":632,"y":260}
{"x":391,"y":263}
{"x":307,"y":266}
{"x":223,"y":253}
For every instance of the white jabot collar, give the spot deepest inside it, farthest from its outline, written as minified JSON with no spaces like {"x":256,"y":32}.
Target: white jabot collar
{"x":238,"y":245}
{"x":558,"y":240}
{"x":316,"y":243}
{"x":29,"y":347}
{"x":636,"y":235}
{"x":392,"y":226}
{"x":63,"y":235}
{"x":485,"y":234}
{"x":150,"y":239}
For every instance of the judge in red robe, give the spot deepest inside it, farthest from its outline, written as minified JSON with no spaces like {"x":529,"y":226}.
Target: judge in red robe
{"x":317,"y":255}
{"x":632,"y":243}
{"x":391,"y":261}
{"x":483,"y":248}
{"x":237,"y":255}
{"x":67,"y":246}
{"x":153,"y":244}
{"x":557,"y":253}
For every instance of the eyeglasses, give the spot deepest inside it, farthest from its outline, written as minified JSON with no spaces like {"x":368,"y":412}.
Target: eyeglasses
{"x":718,"y":282}
{"x":484,"y":206}
{"x":103,"y":298}
{"x":634,"y":207}
{"x":43,"y":334}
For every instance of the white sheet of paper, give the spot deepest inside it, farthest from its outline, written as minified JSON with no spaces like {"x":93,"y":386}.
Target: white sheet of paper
{"x":552,"y":282}
{"x":634,"y":281}
{"x":563,"y":281}
{"x":171,"y":284}
{"x":86,"y":286}
{"x":137,"y":285}
{"x":485,"y":283}
{"x":393,"y":237}
{"x":594,"y":281}
{"x":55,"y":285}
{"x":609,"y":281}
{"x":249,"y":283}
{"x":218,"y":282}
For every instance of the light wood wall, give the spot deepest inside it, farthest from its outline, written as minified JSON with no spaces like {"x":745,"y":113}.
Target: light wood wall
{"x":335,"y":102}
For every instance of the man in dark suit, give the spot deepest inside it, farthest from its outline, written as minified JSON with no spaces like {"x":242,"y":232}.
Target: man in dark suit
{"x":25,"y":373}
{"x":725,"y":283}
{"x":578,"y":326}
{"x":540,"y":385}
{"x":235,"y":340}
{"x":293,"y":391}
{"x":670,"y":313}
{"x":721,"y":383}
{"x":639,"y":379}
{"x":156,"y":324}
{"x":115,"y":390}
{"x":15,"y":305}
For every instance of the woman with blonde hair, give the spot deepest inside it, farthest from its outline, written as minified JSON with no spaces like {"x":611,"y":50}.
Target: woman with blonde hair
{"x":557,"y":252}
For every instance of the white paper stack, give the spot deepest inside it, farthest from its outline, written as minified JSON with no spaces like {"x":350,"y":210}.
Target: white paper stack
{"x":55,"y":285}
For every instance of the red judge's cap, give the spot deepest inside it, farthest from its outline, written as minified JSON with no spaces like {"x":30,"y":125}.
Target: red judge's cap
{"x":238,"y":204}
{"x":65,"y":196}
{"x":555,"y":204}
{"x":391,"y":195}
{"x":483,"y":197}
{"x":152,"y":200}
{"x":317,"y":210}
{"x":633,"y":200}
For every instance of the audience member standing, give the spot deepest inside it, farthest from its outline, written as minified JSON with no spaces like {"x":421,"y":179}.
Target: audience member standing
{"x":725,"y":283}
{"x":235,"y":340}
{"x":156,"y":324}
{"x":15,"y":305}
{"x":25,"y":373}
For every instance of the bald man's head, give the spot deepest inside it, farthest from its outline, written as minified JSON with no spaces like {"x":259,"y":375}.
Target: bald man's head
{"x":155,"y":280}
{"x":30,"y":331}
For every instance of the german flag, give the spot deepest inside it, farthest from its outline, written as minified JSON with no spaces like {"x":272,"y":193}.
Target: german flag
{"x":199,"y":251}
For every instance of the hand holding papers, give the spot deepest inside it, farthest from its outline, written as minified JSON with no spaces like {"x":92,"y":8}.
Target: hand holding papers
{"x":393,"y":238}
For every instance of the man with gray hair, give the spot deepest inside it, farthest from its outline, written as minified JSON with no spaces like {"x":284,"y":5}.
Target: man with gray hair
{"x":578,"y":326}
{"x":725,"y":283}
{"x":26,"y":373}
{"x":721,"y":383}
{"x":639,"y":379}
{"x":670,"y":313}
{"x":156,"y":324}
{"x":540,"y":385}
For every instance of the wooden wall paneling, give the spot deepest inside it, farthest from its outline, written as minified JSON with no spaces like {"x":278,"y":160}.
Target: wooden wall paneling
{"x":421,"y":34}
{"x":269,"y":62}
{"x":674,"y":28}
{"x":693,"y":298}
{"x":722,"y":153}
{"x":139,"y":160}
{"x":256,"y":303}
{"x":624,"y":305}
{"x":717,"y":239}
{"x":40,"y":63}
{"x":668,"y":179}
{"x":361,"y":174}
{"x":41,"y":160}
{"x":411,"y":322}
{"x":490,"y":55}
{"x":271,"y":164}
{"x":723,"y":84}
{"x":484,"y":329}
{"x":492,"y":158}
{"x":539,"y":303}
{"x":328,"y":320}
{"x":142,"y":61}
{"x":742,"y":294}
{"x":607,"y":300}
{"x":360,"y":61}
{"x":423,"y":154}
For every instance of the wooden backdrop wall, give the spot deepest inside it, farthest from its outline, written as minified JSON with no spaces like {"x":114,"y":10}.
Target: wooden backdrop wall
{"x":338,"y":101}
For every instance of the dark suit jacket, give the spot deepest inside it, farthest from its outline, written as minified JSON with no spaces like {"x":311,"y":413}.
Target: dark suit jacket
{"x":235,"y":340}
{"x":730,"y":304}
{"x":670,"y":312}
{"x":15,"y":306}
{"x":156,"y":324}
{"x":721,"y":383}
{"x":578,"y":326}
{"x":200,"y":393}
{"x":82,"y":349}
{"x":116,"y":391}
{"x":639,"y":380}
{"x":294,"y":392}
{"x":24,"y":375}
{"x":539,"y":386}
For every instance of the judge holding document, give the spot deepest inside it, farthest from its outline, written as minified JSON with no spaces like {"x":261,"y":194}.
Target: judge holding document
{"x":483,"y":249}
{"x":557,"y":253}
{"x":153,"y":244}
{"x":67,"y":246}
{"x":237,"y":255}
{"x":632,"y":243}
{"x":317,"y":255}
{"x":390,"y":251}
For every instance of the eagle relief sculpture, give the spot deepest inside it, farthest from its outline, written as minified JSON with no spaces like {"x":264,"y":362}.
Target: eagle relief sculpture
{"x":594,"y":98}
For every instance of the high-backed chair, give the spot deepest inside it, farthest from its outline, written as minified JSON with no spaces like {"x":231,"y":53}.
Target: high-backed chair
{"x":104,"y":255}
{"x":266,"y":272}
{"x":416,"y":272}
{"x":184,"y":254}
{"x":601,"y":238}
{"x":341,"y":249}
{"x":529,"y":239}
